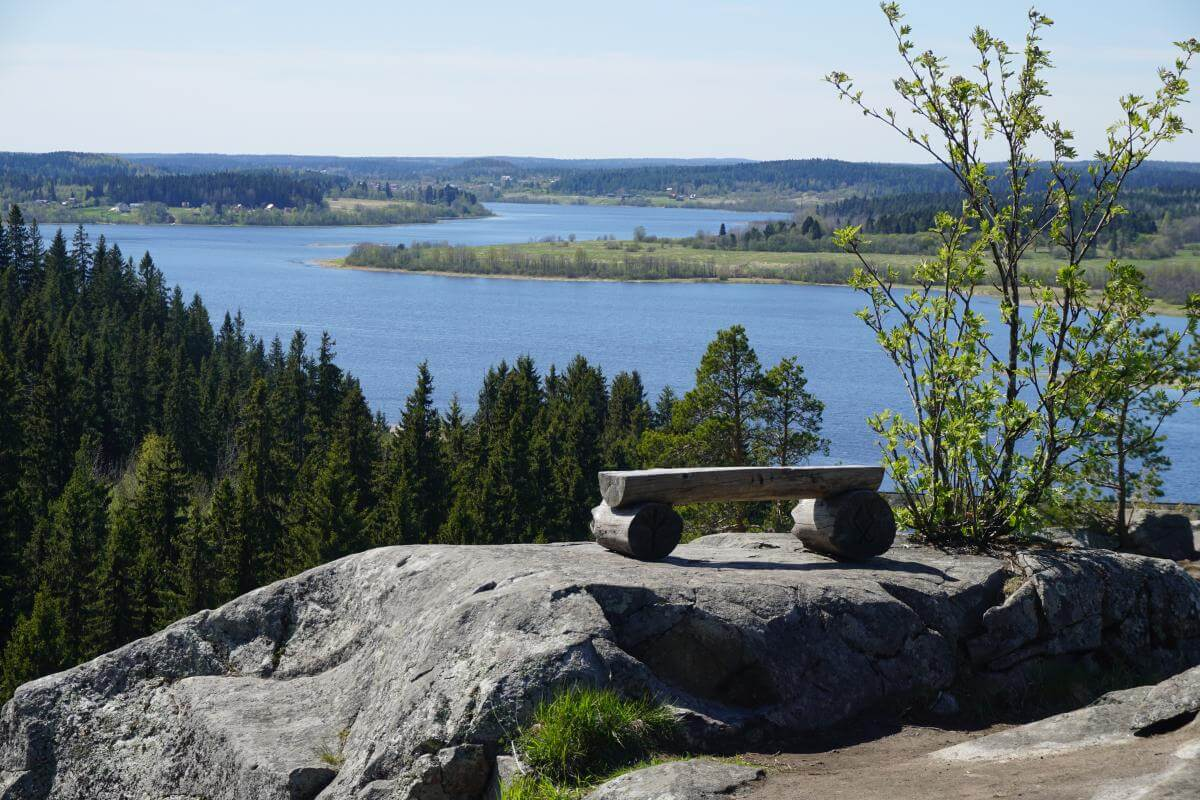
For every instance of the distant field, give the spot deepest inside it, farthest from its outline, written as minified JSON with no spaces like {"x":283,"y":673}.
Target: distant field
{"x":720,"y":202}
{"x":350,"y":203}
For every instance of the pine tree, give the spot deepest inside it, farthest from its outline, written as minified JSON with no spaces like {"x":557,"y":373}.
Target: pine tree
{"x":790,"y":416}
{"x":361,"y":435}
{"x":5,"y":250}
{"x":714,"y":424}
{"x":58,"y":281}
{"x":290,"y":400}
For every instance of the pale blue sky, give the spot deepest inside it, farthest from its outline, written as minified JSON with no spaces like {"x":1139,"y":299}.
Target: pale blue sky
{"x":550,"y":78}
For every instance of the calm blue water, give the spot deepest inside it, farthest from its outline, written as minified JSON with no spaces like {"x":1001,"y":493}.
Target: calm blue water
{"x":385,"y":324}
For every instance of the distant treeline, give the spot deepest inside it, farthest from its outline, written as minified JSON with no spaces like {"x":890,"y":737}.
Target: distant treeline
{"x":822,"y":175}
{"x":399,"y":168}
{"x":34,"y":169}
{"x":913,"y":213}
{"x":805,"y":175}
{"x":215,"y":188}
{"x":1170,"y":282}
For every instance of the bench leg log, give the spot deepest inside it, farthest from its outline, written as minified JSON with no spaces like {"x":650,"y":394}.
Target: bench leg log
{"x":648,"y":531}
{"x":853,"y":525}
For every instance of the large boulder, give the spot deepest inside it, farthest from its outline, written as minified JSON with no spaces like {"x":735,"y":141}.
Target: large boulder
{"x":394,"y":673}
{"x":1162,"y":535}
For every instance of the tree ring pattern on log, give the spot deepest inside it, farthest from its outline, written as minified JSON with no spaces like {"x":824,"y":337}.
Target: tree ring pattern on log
{"x":854,"y":525}
{"x":647,"y":531}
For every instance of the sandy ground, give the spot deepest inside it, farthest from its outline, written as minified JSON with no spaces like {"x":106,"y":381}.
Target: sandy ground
{"x":896,"y":766}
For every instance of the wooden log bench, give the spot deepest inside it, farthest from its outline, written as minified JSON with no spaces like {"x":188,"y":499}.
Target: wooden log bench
{"x":840,"y":512}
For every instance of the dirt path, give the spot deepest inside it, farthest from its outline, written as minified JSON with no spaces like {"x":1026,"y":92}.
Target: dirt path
{"x":897,"y":767}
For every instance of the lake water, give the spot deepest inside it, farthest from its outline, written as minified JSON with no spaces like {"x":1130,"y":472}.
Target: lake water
{"x":385,"y":324}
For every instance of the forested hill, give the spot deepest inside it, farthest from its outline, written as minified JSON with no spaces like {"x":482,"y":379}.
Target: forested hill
{"x":398,"y":167}
{"x":806,"y":175}
{"x":818,"y":175}
{"x":30,"y":172}
{"x":216,"y":188}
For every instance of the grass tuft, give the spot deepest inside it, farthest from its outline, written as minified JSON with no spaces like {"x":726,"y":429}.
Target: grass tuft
{"x":535,"y":787}
{"x":585,"y":733}
{"x":335,"y":758}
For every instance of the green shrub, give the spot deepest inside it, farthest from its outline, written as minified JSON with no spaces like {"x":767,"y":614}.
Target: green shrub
{"x":585,"y":733}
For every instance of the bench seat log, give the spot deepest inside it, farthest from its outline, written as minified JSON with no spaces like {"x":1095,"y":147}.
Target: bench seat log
{"x":648,"y":531}
{"x":623,"y":488}
{"x":854,"y":525}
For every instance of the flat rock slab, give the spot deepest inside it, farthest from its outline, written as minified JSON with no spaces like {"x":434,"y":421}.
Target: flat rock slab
{"x":366,"y":677}
{"x":1119,"y":718}
{"x":1178,"y":778}
{"x":1174,"y":700}
{"x":697,"y":779}
{"x":1108,"y":721}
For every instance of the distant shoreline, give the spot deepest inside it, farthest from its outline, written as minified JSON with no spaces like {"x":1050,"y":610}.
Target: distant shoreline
{"x":338,"y":263}
{"x":1157,"y":307}
{"x":32,"y":213}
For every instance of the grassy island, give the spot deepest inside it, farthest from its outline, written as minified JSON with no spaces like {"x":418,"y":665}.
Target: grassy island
{"x":1168,"y":279}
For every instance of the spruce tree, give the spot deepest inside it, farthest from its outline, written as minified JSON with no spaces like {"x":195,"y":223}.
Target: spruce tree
{"x":38,"y":645}
{"x":412,"y":487}
{"x":664,"y":407}
{"x":509,"y":500}
{"x":117,"y":610}
{"x":572,"y":426}
{"x":326,"y":381}
{"x":222,"y":528}
{"x":627,"y":419}
{"x":181,"y":411}
{"x":12,"y":573}
{"x":81,"y":255}
{"x":361,"y":435}
{"x":156,"y":510}
{"x":261,"y":490}
{"x":196,"y":583}
{"x":78,"y":520}
{"x":331,"y":524}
